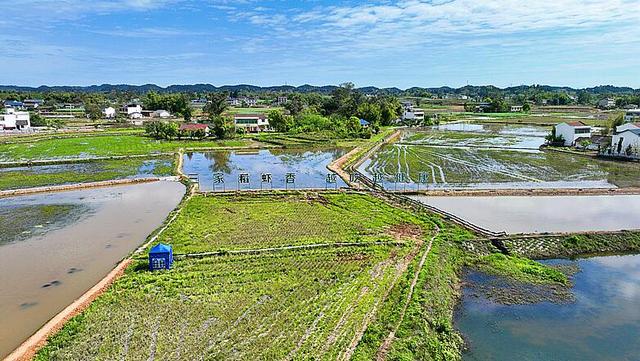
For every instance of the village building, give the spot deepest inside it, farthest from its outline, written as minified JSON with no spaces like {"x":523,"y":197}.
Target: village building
{"x":626,"y":143}
{"x":632,"y":115}
{"x":160,"y":113}
{"x":282,"y":100}
{"x":572,"y":131}
{"x":627,"y":126}
{"x":132,"y":108}
{"x":250,"y":102}
{"x":198,"y":103}
{"x":15,"y":120}
{"x":411,"y":113}
{"x":252,"y":123}
{"x":33,"y":103}
{"x":192,"y":127}
{"x":109,"y":113}
{"x":234,"y":102}
{"x":364,"y":123}
{"x":516,"y":108}
{"x":607,"y":103}
{"x":14,"y":104}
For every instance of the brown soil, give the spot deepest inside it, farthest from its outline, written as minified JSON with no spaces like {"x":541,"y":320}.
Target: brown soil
{"x":405,"y":230}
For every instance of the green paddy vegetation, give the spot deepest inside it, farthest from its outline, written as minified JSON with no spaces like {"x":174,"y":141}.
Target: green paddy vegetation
{"x":249,"y":222}
{"x":95,"y":171}
{"x":19,"y":222}
{"x":477,"y":165}
{"x":102,"y":146}
{"x":521,"y":269}
{"x":290,"y":304}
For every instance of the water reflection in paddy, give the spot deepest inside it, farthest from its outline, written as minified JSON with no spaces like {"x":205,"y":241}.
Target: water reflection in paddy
{"x":521,"y":214}
{"x":602,"y":324}
{"x":44,"y":272}
{"x":310,"y":167}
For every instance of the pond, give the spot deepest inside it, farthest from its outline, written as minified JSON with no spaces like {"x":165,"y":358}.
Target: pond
{"x":71,"y":241}
{"x":309,"y":166}
{"x":538,"y":214}
{"x":603,"y":323}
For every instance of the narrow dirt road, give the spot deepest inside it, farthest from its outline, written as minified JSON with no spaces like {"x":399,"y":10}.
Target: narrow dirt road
{"x":386,"y":344}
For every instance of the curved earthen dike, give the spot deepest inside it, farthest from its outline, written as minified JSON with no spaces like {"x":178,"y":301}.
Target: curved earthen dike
{"x":68,"y":187}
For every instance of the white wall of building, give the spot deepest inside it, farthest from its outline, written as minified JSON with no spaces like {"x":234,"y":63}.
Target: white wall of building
{"x":625,"y":139}
{"x":570,"y":133}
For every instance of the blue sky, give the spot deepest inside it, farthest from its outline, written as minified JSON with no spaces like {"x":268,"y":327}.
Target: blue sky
{"x":382,"y":43}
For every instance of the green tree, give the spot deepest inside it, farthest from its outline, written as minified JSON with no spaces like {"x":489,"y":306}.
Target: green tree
{"x":216,"y":105}
{"x":223,"y":127}
{"x":279,"y":121}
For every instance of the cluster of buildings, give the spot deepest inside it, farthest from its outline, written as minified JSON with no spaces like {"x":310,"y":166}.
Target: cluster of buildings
{"x":625,"y":141}
{"x":135,"y":113}
{"x":411,"y":113}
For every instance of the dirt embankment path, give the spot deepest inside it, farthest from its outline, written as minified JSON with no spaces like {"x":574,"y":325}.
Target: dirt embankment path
{"x":68,"y":187}
{"x":386,"y":344}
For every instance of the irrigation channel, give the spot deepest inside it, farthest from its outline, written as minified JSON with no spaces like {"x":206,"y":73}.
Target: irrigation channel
{"x":59,"y":245}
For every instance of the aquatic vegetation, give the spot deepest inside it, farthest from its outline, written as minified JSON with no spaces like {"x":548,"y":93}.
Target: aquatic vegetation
{"x":462,"y":166}
{"x":57,"y":174}
{"x":522,"y":269}
{"x":19,"y":222}
{"x":102,"y":146}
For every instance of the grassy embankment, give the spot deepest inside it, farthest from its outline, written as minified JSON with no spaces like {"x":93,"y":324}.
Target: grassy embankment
{"x":575,"y":245}
{"x":296,"y":304}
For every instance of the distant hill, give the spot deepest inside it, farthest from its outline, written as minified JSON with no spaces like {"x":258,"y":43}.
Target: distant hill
{"x":247,"y":88}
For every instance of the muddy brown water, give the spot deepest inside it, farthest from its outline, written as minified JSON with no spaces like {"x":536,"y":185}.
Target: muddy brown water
{"x":41,"y":275}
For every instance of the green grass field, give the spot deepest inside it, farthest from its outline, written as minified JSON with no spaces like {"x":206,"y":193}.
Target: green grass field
{"x":102,"y":146}
{"x":48,"y":175}
{"x":285,"y":305}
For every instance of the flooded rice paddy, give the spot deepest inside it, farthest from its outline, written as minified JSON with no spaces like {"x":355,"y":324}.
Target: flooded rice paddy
{"x":71,"y":241}
{"x":475,"y":157}
{"x":57,"y":174}
{"x":603,"y":323}
{"x":538,"y":214}
{"x":309,"y":166}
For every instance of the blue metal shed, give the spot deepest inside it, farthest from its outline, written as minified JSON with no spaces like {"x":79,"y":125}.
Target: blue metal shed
{"x":364,"y":123}
{"x":160,"y":257}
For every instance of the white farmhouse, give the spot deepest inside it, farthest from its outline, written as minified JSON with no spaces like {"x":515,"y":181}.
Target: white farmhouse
{"x":161,"y":113}
{"x":626,"y":143}
{"x":252,"y":122}
{"x":632,"y":115}
{"x":516,"y":108}
{"x":109,"y":112}
{"x":572,"y":131}
{"x":131,"y":109}
{"x":13,"y":119}
{"x":607,"y":103}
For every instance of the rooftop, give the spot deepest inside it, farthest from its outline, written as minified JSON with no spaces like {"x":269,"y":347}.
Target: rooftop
{"x":193,"y":126}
